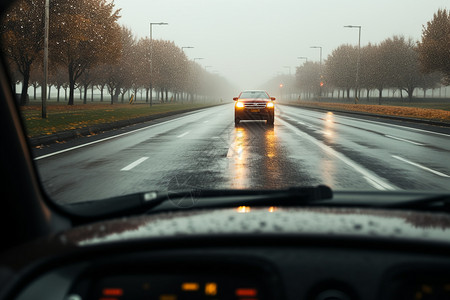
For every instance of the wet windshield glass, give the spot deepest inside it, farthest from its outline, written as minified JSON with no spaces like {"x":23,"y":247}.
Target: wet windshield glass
{"x":122,"y":96}
{"x":253,"y":94}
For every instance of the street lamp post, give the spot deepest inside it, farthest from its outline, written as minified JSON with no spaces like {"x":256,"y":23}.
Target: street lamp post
{"x":320,"y":68}
{"x":303,"y":57}
{"x":357,"y":61}
{"x":151,"y":59}
{"x":288,"y":67}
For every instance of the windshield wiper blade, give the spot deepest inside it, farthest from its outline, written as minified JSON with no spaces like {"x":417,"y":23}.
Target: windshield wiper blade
{"x":114,"y":206}
{"x":139,"y":203}
{"x":293,"y":196}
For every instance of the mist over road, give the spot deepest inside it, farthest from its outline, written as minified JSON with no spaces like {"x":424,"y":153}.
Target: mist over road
{"x":204,"y":149}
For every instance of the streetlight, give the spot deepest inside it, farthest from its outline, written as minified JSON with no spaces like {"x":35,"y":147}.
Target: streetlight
{"x":288,"y":67}
{"x":320,"y":68}
{"x":303,"y":57}
{"x":151,"y":59}
{"x":358,"y":60}
{"x":186,"y":47}
{"x":318,"y":47}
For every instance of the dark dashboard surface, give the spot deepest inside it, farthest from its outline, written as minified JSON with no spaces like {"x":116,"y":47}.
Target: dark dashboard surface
{"x":249,"y":272}
{"x":242,"y":253}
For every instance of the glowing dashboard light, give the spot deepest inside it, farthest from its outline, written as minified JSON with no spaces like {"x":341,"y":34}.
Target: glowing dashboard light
{"x":246,"y":292}
{"x":239,"y":104}
{"x":427,"y":289}
{"x":211,"y":289}
{"x":270,"y":105}
{"x":168,"y":297}
{"x":112,"y":292}
{"x":243,"y":209}
{"x":190,"y":286}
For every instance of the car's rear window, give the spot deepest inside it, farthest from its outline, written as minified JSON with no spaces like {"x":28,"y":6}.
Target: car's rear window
{"x":253,"y":95}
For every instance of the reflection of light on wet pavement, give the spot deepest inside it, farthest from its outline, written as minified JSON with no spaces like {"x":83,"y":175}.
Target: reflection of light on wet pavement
{"x":253,"y":155}
{"x":269,"y":139}
{"x":238,"y":162}
{"x":329,"y":130}
{"x":328,"y":172}
{"x":271,"y":165}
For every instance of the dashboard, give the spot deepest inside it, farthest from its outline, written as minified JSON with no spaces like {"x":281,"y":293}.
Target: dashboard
{"x":284,"y":269}
{"x":256,"y":253}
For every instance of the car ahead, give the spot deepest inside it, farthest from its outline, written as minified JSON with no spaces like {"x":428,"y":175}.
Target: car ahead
{"x":254,"y":105}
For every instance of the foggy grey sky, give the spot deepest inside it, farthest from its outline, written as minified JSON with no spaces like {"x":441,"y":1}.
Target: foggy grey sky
{"x":250,"y":41}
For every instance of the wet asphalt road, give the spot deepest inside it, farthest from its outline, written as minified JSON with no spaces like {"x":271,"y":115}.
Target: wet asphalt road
{"x":204,"y":149}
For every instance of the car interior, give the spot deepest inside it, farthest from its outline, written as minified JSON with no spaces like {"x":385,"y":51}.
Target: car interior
{"x":311,"y":244}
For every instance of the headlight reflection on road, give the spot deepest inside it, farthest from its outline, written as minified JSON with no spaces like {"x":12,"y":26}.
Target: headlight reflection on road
{"x":238,"y":160}
{"x":272,"y":174}
{"x":329,"y":130}
{"x":328,"y":172}
{"x":270,"y":138}
{"x":239,"y":143}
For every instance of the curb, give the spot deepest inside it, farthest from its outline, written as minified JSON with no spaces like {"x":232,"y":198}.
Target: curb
{"x":94,"y":129}
{"x":406,"y":119}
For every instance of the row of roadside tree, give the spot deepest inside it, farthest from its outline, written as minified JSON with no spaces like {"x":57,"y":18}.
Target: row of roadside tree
{"x":395,"y":63}
{"x":88,"y":48}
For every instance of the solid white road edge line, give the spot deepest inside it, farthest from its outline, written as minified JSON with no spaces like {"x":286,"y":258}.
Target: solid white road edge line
{"x":374,"y":180}
{"x":420,"y":166}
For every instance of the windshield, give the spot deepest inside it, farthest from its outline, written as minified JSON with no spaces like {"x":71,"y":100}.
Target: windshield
{"x":121,"y":97}
{"x":253,"y":95}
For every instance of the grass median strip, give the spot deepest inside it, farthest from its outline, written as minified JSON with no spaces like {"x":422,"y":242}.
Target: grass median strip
{"x":63,"y":117}
{"x":442,"y":115}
